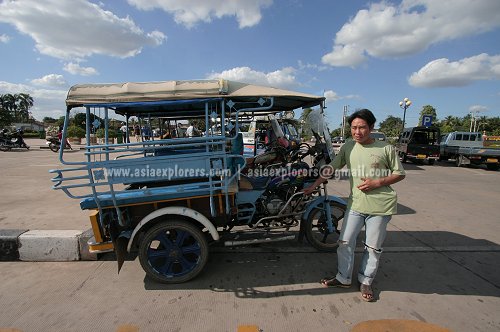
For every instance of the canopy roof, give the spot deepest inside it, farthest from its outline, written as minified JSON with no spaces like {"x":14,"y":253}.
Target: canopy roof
{"x":135,"y":98}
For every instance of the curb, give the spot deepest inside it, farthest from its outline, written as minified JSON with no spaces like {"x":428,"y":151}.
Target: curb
{"x":47,"y":148}
{"x":45,"y":245}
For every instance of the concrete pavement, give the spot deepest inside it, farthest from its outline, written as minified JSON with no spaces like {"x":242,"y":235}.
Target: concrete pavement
{"x":440,"y":265}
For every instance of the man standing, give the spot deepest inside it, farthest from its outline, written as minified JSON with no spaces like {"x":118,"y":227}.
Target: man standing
{"x":123,"y":129}
{"x":191,"y":131}
{"x":373,"y":166}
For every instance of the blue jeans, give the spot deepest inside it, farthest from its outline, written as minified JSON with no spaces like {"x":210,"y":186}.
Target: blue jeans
{"x":376,"y":229}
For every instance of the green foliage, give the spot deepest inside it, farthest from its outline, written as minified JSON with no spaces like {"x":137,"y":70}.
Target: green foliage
{"x":306,"y":131}
{"x":336,"y":132}
{"x":6,"y":118}
{"x":391,"y":126}
{"x":15,"y":107}
{"x":75,"y":131}
{"x":428,"y":110}
{"x":60,"y":122}
{"x":49,"y":120}
{"x":111,"y":133}
{"x":80,"y":120}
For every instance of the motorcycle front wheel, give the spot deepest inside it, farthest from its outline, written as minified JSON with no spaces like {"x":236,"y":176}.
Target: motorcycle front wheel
{"x":317,"y":228}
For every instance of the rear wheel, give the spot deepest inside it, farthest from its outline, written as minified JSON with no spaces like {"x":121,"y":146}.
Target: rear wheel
{"x":173,"y":252}
{"x":53,"y":147}
{"x":4,"y":147}
{"x":317,"y":228}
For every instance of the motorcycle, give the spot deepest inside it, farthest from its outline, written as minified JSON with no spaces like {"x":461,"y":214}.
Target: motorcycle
{"x":274,"y":199}
{"x":10,"y":141}
{"x":54,"y":144}
{"x":278,"y":150}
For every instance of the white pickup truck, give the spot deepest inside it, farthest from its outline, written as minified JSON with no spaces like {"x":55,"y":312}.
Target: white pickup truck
{"x":467,"y":148}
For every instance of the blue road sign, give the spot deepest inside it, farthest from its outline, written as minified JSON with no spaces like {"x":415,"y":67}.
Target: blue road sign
{"x":427,"y":120}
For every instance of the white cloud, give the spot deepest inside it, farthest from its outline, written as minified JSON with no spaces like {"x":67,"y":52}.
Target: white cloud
{"x":190,"y":12}
{"x":4,"y":38}
{"x":76,"y":69}
{"x":332,"y":96}
{"x":75,"y":29}
{"x":47,"y":102}
{"x":280,"y":78}
{"x":478,"y":108}
{"x":388,"y":31}
{"x":51,"y":80}
{"x":443,"y":73}
{"x":306,"y":66}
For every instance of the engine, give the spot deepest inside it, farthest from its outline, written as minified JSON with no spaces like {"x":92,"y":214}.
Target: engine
{"x":273,"y":204}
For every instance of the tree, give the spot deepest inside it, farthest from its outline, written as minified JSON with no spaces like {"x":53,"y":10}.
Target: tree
{"x":5,"y":114}
{"x":80,"y":120}
{"x":49,"y":120}
{"x":23,"y":103}
{"x":5,"y":117}
{"x":306,"y":130}
{"x":391,"y":126}
{"x":428,"y":110}
{"x":15,"y":107}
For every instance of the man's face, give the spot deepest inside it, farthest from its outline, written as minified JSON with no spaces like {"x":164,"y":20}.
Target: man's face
{"x":360,"y":131}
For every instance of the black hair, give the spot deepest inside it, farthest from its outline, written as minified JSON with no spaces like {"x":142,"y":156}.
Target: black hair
{"x":364,"y":114}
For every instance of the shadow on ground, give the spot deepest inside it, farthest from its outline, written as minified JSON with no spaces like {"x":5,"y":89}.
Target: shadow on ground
{"x":267,"y":271}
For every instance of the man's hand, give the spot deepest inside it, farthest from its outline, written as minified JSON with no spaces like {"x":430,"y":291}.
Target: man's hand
{"x":309,"y":190}
{"x":369,"y":184}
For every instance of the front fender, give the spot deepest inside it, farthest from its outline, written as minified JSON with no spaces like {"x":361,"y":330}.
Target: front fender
{"x":319,"y":200}
{"x":175,"y":210}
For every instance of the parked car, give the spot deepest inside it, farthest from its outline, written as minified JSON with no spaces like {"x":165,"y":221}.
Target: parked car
{"x":419,"y":144}
{"x":378,"y":136}
{"x":338,"y":139}
{"x":468,"y":148}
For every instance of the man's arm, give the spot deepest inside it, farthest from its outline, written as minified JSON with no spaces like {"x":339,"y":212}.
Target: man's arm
{"x":311,"y":188}
{"x":370,"y":184}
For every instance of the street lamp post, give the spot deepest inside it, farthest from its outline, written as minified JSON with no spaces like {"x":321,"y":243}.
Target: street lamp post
{"x":404,"y":104}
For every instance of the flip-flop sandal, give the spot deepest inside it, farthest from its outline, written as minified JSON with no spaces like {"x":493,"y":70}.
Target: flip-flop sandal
{"x":366,"y":293}
{"x":332,"y":282}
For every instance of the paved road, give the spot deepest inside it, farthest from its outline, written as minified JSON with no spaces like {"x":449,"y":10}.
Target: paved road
{"x":440,"y":266}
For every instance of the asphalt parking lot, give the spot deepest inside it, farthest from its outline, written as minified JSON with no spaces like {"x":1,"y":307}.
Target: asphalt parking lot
{"x":440,"y":266}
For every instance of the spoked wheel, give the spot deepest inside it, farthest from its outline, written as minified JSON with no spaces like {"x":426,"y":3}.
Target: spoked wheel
{"x":53,"y":147}
{"x":173,"y":252}
{"x":4,"y":147}
{"x":317,"y":229}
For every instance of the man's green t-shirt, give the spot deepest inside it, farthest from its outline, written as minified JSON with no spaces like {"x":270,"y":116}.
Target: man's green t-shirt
{"x":373,"y":161}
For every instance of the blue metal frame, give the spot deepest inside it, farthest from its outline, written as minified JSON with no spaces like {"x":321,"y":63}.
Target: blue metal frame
{"x":206,"y":153}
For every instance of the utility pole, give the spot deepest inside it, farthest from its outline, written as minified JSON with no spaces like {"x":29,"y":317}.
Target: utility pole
{"x":473,"y":120}
{"x":342,"y":131}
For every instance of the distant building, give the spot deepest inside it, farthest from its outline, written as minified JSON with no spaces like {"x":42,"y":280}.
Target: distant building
{"x":33,"y":125}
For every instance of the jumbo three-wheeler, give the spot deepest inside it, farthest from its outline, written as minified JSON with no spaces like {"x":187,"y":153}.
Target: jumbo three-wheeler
{"x":179,"y":183}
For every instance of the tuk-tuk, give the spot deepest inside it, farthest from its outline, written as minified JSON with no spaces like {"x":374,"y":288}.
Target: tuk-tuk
{"x":172,"y":197}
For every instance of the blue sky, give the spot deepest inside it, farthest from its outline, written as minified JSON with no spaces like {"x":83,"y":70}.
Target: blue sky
{"x":362,"y":54}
